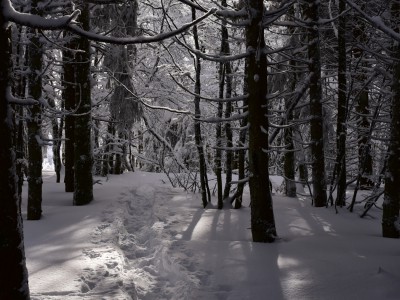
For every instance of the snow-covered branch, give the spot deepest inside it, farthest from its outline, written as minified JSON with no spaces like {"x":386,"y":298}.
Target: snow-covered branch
{"x":13,"y":100}
{"x":375,"y":21}
{"x":138,"y":39}
{"x":232,"y":99}
{"x":215,"y":58}
{"x":222,"y":12}
{"x":35,"y":21}
{"x":218,"y":120}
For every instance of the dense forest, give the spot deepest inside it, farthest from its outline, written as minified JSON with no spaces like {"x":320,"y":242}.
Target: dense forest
{"x":308,"y":90}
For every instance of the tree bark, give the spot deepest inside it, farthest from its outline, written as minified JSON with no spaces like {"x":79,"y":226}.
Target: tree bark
{"x":242,"y":143}
{"x":68,"y":95}
{"x":218,"y":137}
{"x":391,"y":203}
{"x":83,"y":156}
{"x":197,"y":129}
{"x":34,"y":122}
{"x":365,"y":160}
{"x":14,"y":283}
{"x":19,"y":84}
{"x":228,"y":129}
{"x":316,"y":123}
{"x":341,"y":128}
{"x":262,"y":214}
{"x":289,"y":156}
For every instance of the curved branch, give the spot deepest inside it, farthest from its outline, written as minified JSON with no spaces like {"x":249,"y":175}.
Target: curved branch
{"x":35,"y":21}
{"x":138,"y":39}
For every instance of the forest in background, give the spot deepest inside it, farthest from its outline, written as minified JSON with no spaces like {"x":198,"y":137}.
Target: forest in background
{"x":308,"y":90}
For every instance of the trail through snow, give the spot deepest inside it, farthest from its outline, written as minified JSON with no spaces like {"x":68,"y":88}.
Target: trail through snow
{"x":142,"y":239}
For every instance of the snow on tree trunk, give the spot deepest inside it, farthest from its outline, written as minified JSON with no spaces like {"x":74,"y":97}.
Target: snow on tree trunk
{"x":262,"y":214}
{"x":14,"y":279}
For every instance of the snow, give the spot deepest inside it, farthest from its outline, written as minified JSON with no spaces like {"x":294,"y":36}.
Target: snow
{"x":142,"y":239}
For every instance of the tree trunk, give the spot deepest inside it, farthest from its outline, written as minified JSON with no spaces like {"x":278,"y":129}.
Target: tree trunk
{"x":289,"y":156}
{"x":14,"y":283}
{"x":34,"y":123}
{"x":197,"y":128}
{"x":57,"y":129}
{"x":362,"y":107}
{"x":341,"y":131}
{"x":228,"y":129}
{"x":218,"y":136}
{"x":391,"y":203}
{"x":242,"y":143}
{"x":119,"y":153}
{"x":20,"y":153}
{"x":316,"y":123}
{"x":98,"y":158}
{"x":69,"y":104}
{"x":262,"y":214}
{"x":83,"y":156}
{"x":19,"y":84}
{"x":289,"y":162}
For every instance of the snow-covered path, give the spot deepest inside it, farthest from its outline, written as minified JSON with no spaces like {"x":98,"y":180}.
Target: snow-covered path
{"x":143,"y":239}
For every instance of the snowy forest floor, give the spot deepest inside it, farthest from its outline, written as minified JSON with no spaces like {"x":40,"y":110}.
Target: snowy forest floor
{"x":142,"y":239}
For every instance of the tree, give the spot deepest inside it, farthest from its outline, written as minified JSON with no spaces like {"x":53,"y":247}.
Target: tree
{"x":311,"y":11}
{"x":391,"y":204}
{"x":34,"y":121}
{"x":362,"y":105}
{"x":14,"y":278}
{"x":262,"y":214}
{"x":68,"y":95}
{"x":342,"y":108}
{"x":83,"y":156}
{"x":197,"y":128}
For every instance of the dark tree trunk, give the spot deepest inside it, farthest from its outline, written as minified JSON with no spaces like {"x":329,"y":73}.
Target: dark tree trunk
{"x":362,"y":107}
{"x":98,"y":158}
{"x":69,"y":105}
{"x":20,"y":153}
{"x":197,"y":129}
{"x":34,"y":123}
{"x":83,"y":156}
{"x":341,"y":131}
{"x":218,"y":136}
{"x":19,"y":84}
{"x":289,"y":162}
{"x":228,"y":129}
{"x":14,"y":283}
{"x":391,"y":203}
{"x":289,"y":156}
{"x":316,"y":123}
{"x":119,"y":153}
{"x":364,"y":146}
{"x":262,"y":214}
{"x":242,"y":143}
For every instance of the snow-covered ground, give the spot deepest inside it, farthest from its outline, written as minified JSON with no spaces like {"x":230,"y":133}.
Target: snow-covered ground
{"x":143,"y":239}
